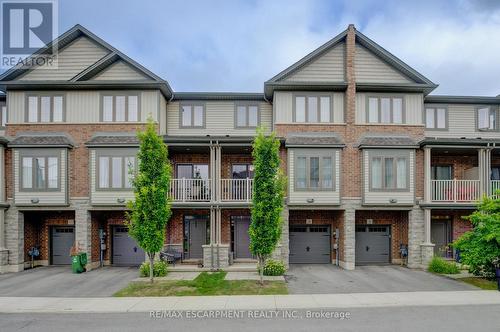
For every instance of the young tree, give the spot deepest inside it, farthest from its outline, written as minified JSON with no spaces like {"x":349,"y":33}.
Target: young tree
{"x":268,"y":195}
{"x":480,"y":246}
{"x":151,"y":209}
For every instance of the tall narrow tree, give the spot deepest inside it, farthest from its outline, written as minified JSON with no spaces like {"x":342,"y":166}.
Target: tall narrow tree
{"x":267,"y":201}
{"x":151,"y":209}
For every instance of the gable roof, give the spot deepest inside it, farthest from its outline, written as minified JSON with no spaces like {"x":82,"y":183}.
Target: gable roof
{"x":8,"y":78}
{"x":422,"y":83}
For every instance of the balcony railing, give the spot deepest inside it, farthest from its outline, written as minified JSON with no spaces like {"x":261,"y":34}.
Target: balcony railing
{"x":239,"y":190}
{"x":455,"y":190}
{"x":190,"y":190}
{"x":494,"y":188}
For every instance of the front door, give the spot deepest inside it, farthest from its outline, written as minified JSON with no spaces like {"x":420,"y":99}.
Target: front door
{"x":241,"y":239}
{"x":439,"y":236}
{"x":195,"y":236}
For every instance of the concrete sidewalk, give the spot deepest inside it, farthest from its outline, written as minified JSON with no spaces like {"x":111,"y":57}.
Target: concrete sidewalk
{"x":251,"y":302}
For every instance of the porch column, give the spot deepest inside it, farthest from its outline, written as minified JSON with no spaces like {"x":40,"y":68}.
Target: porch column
{"x":487,"y":171}
{"x":480,"y":162}
{"x":212,"y":173}
{"x":427,"y":175}
{"x":427,"y":247}
{"x":218,"y":167}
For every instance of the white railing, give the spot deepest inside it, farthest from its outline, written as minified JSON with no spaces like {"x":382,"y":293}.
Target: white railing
{"x":236,"y":189}
{"x":190,"y":190}
{"x":455,"y":190}
{"x":494,"y":187}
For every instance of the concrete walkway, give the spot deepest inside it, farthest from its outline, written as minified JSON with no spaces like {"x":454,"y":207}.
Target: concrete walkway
{"x":250,"y":302}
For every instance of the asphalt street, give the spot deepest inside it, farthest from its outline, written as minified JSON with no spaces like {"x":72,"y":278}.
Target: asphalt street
{"x":430,"y":318}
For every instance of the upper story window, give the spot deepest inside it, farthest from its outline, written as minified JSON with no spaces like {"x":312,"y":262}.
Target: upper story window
{"x":3,"y":115}
{"x":385,"y":110}
{"x":436,"y":117}
{"x":192,"y":171}
{"x":120,"y":108}
{"x":39,"y":173}
{"x":45,"y":108}
{"x":242,"y":171}
{"x":192,"y":115}
{"x":116,"y":171}
{"x":314,"y":172}
{"x":389,"y":172}
{"x":246,"y":116}
{"x":487,"y":118}
{"x":312,"y":109}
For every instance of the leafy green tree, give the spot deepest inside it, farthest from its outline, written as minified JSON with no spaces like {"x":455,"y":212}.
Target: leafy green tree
{"x":480,"y":246}
{"x":268,"y":196}
{"x":151,"y":209}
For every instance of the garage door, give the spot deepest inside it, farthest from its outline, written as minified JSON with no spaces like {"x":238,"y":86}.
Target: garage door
{"x":126,"y":252}
{"x":373,"y":244}
{"x":310,"y":244}
{"x":62,"y":238}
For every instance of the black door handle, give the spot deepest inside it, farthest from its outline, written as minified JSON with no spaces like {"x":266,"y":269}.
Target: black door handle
{"x":367,"y":248}
{"x":135,"y":249}
{"x":307,"y":249}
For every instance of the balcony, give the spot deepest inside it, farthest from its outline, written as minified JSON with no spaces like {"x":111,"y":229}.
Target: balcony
{"x":456,"y":191}
{"x":191,"y":190}
{"x":236,"y":190}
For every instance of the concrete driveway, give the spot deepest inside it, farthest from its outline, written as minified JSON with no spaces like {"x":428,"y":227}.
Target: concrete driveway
{"x":58,"y":281}
{"x":329,"y":279}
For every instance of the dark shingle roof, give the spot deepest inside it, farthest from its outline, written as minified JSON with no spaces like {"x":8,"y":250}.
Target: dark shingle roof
{"x":313,"y":139}
{"x":113,"y":140}
{"x":387,"y":141}
{"x":41,"y":140}
{"x":465,"y":141}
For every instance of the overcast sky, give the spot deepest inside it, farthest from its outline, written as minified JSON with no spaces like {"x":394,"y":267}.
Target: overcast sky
{"x":236,"y":45}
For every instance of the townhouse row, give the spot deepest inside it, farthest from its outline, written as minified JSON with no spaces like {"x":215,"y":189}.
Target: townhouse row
{"x":375,"y":164}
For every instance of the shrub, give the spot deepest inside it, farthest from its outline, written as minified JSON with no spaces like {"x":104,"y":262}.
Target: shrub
{"x":274,"y":268}
{"x":441,"y":266}
{"x":159,"y":269}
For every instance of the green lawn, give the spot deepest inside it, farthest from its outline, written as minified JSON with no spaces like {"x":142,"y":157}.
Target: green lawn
{"x":480,"y":282}
{"x":205,"y":284}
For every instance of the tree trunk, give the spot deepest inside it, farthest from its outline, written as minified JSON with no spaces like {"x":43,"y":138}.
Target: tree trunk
{"x":261,"y":269}
{"x":151,"y":266}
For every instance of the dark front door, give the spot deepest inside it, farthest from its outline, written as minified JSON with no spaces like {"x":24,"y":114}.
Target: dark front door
{"x":62,"y":238}
{"x":310,"y":244}
{"x":373,"y":243}
{"x":195,"y":236}
{"x":126,"y":252}
{"x":439,"y":236}
{"x":241,"y":239}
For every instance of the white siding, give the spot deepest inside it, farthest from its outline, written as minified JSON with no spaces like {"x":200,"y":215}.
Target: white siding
{"x":329,"y":67}
{"x":107,"y":197}
{"x":368,"y":68}
{"x":120,"y":71}
{"x":462,"y":123}
{"x":384,"y":197}
{"x":320,"y":197}
{"x":82,"y":106}
{"x":219,"y":120}
{"x":72,"y":60}
{"x":45,"y":198}
{"x":413,"y":104}
{"x":283,"y":107}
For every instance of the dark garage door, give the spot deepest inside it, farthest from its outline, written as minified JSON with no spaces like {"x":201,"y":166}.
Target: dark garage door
{"x":310,"y":244}
{"x":373,"y":244}
{"x":126,"y":252}
{"x":62,"y":238}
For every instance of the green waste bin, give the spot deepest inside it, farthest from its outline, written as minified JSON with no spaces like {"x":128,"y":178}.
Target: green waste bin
{"x":78,"y":262}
